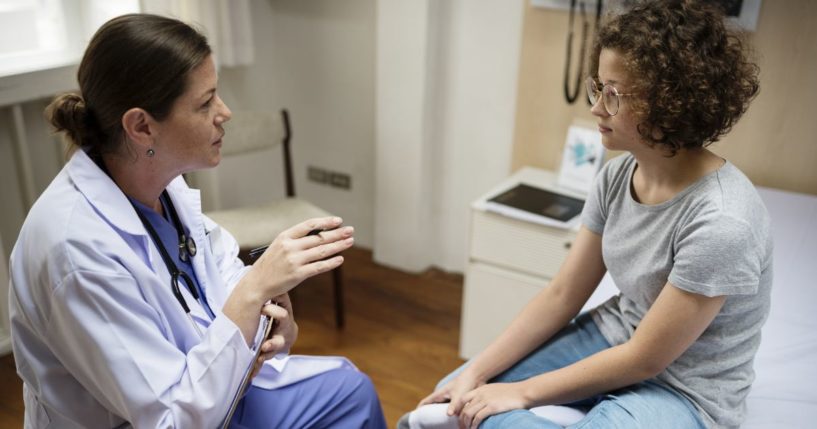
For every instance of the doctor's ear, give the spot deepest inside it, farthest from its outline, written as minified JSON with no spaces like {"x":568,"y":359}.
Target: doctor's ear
{"x":139,"y":127}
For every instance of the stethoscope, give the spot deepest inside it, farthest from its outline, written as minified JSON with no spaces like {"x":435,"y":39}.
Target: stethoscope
{"x":187,"y":249}
{"x":572,"y":95}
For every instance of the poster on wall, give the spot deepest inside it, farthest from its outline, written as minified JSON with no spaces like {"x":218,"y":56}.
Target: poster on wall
{"x":582,"y":158}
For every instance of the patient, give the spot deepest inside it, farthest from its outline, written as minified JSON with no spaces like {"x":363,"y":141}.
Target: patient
{"x":682,"y":232}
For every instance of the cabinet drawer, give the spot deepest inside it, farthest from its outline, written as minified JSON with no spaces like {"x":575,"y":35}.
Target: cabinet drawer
{"x":519,"y":245}
{"x":492,"y":297}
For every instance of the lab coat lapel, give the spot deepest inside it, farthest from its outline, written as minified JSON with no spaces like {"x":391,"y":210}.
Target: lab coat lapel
{"x":103,"y":194}
{"x":115,"y":208}
{"x":188,"y":205}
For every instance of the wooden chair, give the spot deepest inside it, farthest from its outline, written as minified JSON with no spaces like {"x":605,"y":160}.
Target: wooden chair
{"x":255,"y":226}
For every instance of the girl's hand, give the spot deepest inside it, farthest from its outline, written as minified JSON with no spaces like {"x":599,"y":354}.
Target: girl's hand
{"x":453,"y":392}
{"x":491,"y":399}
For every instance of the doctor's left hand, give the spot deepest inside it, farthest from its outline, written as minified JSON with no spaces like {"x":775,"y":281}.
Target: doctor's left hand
{"x":284,"y":333}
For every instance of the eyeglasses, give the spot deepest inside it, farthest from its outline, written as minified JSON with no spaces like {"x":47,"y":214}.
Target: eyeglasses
{"x":610,"y":96}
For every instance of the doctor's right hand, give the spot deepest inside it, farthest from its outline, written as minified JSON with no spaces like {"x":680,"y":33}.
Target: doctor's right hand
{"x":295,"y":255}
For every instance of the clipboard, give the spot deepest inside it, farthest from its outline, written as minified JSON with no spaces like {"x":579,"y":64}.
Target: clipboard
{"x":245,"y":382}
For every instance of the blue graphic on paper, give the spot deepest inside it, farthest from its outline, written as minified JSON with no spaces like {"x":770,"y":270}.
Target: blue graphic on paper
{"x":582,"y":153}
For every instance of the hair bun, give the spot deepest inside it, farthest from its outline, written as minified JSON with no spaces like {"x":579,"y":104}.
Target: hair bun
{"x":68,"y":113}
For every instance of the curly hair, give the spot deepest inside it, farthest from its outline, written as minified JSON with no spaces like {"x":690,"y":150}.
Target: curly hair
{"x":690,"y":70}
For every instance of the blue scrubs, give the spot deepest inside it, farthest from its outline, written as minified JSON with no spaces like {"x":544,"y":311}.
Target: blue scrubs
{"x":342,"y":398}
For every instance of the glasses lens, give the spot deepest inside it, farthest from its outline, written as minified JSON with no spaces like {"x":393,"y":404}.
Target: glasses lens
{"x":592,"y":90}
{"x":610,"y":97}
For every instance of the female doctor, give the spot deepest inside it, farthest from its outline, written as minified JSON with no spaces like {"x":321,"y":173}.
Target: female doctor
{"x":129,"y":307}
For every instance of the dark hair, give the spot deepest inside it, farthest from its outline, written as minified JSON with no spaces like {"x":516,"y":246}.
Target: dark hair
{"x":689,"y":69}
{"x":135,"y":60}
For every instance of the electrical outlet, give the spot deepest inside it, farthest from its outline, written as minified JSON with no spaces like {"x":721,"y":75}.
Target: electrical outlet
{"x":340,"y":180}
{"x":327,"y":177}
{"x":317,"y":175}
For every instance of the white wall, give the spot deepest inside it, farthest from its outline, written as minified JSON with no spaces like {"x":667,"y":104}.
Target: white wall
{"x":317,"y":59}
{"x":446,"y":94}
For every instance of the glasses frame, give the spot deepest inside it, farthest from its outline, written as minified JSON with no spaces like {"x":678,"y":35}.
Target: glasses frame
{"x":594,"y":94}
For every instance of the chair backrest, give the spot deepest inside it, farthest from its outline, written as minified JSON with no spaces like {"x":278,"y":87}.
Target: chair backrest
{"x":254,"y":130}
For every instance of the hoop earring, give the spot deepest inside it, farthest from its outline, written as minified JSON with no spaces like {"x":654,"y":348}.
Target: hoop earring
{"x":150,"y":153}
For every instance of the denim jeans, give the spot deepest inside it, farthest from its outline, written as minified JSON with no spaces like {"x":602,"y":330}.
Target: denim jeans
{"x":648,"y":404}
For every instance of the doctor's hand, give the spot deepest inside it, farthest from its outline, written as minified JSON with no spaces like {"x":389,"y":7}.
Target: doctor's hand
{"x":295,"y":255}
{"x":284,"y":332}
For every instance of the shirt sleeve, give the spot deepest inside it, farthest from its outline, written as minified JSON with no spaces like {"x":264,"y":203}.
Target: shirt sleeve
{"x":114,"y":344}
{"x":594,"y":213}
{"x":716,"y":255}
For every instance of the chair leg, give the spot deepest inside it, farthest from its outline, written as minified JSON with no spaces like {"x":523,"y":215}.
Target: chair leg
{"x":340,"y":319}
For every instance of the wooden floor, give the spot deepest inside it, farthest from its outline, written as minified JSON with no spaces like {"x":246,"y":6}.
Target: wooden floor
{"x":401,"y":329}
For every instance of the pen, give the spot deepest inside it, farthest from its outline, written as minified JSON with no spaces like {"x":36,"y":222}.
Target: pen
{"x":255,"y":253}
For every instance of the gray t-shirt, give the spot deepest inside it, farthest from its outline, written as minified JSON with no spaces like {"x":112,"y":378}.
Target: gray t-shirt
{"x":713,"y":239}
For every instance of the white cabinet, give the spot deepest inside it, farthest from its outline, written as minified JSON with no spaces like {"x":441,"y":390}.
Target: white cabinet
{"x":509,"y":261}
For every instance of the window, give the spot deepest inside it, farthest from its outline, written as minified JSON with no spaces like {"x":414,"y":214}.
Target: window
{"x":43,"y":34}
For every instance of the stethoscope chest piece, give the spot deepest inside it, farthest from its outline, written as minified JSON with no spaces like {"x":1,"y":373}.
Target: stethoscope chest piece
{"x":187,"y":248}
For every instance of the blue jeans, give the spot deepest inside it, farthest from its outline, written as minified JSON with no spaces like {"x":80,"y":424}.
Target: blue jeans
{"x":648,"y":404}
{"x":342,"y":398}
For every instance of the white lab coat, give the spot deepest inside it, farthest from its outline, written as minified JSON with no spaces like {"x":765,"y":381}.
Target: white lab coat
{"x":98,"y":336}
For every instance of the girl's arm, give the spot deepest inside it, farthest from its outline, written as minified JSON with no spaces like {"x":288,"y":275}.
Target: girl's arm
{"x":545,"y":315}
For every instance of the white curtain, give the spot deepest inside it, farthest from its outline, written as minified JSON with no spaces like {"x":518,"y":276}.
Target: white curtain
{"x":226,"y":23}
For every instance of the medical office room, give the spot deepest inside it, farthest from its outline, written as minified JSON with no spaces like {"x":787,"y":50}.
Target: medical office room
{"x":419,"y":123}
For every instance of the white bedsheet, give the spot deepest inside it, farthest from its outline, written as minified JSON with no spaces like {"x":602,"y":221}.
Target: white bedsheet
{"x":783,"y":394}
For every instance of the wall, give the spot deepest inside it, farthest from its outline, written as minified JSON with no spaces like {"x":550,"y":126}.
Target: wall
{"x":446,"y":93}
{"x":317,"y":59}
{"x":774,"y":143}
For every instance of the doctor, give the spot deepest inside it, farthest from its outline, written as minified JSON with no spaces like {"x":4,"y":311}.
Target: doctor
{"x":129,"y":307}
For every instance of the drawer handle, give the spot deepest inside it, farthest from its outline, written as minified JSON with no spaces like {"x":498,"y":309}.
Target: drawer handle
{"x":568,"y":244}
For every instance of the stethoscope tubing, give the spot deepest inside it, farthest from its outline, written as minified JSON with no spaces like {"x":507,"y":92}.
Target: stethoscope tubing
{"x":175,"y":273}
